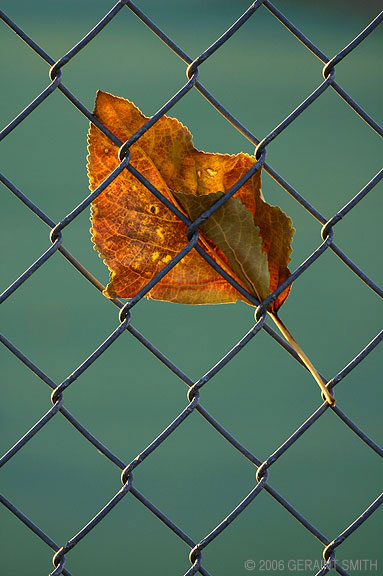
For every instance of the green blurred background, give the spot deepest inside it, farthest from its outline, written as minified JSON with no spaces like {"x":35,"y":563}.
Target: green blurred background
{"x":127,"y":397}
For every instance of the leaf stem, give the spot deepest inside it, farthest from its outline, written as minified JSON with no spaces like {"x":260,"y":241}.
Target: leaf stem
{"x":310,"y":367}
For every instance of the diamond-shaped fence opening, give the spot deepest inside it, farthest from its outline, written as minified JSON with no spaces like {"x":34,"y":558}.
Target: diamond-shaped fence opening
{"x":178,"y":416}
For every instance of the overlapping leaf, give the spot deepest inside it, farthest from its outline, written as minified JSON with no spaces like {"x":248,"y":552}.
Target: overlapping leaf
{"x":137,"y":235}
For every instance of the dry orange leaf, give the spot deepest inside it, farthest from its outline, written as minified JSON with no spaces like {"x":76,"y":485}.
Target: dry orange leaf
{"x":137,"y":235}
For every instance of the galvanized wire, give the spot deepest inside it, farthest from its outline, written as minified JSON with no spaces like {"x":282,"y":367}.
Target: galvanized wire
{"x":61,"y":553}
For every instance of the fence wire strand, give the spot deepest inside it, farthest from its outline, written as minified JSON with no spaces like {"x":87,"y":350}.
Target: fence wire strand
{"x":61,"y":552}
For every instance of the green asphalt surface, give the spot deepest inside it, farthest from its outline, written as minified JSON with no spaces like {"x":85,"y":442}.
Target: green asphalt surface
{"x":127,"y":397}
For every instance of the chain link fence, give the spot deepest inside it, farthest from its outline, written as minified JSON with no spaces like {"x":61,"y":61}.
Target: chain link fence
{"x":57,"y":235}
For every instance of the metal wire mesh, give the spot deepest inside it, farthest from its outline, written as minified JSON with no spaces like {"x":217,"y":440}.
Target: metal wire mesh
{"x":62,"y":552}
